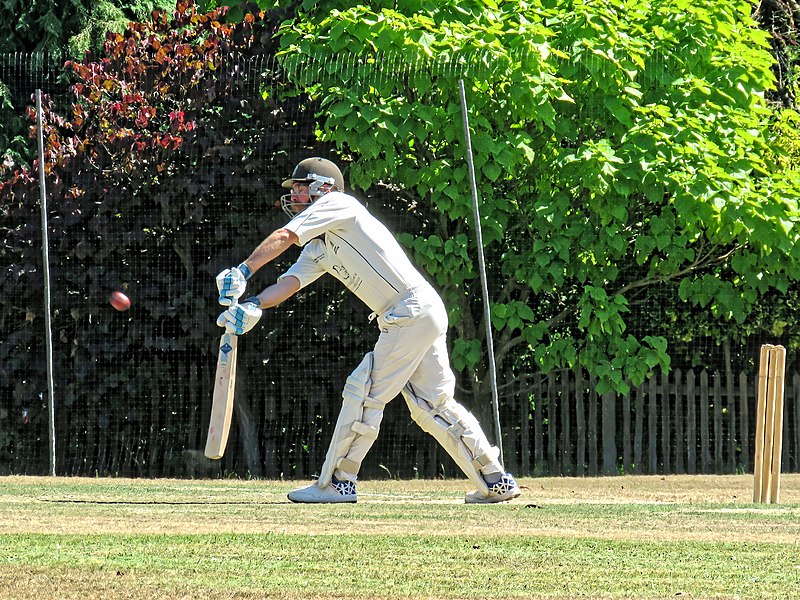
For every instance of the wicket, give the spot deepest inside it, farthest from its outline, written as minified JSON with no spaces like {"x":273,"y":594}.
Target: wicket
{"x":769,"y":425}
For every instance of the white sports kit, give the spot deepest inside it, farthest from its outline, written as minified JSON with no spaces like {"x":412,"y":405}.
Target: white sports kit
{"x":339,"y":236}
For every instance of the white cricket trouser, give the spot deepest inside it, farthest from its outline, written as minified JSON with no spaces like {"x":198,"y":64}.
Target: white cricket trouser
{"x":412,"y":349}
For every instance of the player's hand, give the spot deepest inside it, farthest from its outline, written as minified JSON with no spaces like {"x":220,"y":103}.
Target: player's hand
{"x":240,"y":318}
{"x":231,"y":284}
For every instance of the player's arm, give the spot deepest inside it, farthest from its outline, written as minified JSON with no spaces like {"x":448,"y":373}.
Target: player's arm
{"x":278,"y":292}
{"x":271,"y":248}
{"x":231,"y":283}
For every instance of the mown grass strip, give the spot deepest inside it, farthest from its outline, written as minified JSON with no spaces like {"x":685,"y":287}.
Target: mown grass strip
{"x":415,"y":566}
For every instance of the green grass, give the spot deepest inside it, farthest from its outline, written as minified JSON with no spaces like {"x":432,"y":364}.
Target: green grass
{"x":565,"y":538}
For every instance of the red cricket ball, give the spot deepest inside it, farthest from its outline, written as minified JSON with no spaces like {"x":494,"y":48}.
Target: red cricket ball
{"x":119,"y":301}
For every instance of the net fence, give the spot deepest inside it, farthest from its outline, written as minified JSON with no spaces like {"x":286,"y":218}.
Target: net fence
{"x":133,"y":389}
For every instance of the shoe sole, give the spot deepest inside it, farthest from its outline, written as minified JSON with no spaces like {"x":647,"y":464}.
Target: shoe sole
{"x":321,"y":501}
{"x":493,"y":499}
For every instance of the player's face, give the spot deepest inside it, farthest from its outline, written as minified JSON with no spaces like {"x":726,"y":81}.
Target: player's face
{"x":300,"y":196}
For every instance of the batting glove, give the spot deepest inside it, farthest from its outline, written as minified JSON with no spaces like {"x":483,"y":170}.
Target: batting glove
{"x":231,"y":284}
{"x":241,"y":318}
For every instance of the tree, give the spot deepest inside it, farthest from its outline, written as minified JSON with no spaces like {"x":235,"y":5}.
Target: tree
{"x":78,"y":25}
{"x":622,"y":153}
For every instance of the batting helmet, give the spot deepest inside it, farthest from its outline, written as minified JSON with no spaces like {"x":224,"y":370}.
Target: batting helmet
{"x":317,"y":173}
{"x":316,"y":170}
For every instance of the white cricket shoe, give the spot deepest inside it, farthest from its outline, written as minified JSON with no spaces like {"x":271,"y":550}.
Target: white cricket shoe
{"x":336,"y":492}
{"x":505,"y":489}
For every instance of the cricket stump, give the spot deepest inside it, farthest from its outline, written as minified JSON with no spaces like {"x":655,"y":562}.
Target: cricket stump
{"x":769,"y":425}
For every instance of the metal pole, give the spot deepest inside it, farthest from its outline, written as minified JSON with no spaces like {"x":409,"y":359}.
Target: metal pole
{"x":487,"y":316}
{"x":47,"y":316}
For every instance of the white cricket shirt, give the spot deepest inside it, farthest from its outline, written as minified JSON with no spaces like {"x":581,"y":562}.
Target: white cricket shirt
{"x":342,"y":238}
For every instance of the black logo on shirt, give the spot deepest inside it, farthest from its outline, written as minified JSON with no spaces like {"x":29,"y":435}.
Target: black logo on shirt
{"x":343,"y":273}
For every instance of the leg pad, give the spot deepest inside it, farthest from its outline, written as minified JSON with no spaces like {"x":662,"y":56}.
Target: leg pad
{"x":357,"y":408}
{"x":458,"y":432}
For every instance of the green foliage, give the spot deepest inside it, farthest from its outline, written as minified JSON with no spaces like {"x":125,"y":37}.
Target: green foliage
{"x":104,"y":17}
{"x":238,"y":10}
{"x":77,"y":25}
{"x":39,"y":25}
{"x":621,"y":153}
{"x":786,"y":129}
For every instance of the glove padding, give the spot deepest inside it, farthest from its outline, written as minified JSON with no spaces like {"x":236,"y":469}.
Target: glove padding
{"x":240,"y":318}
{"x":231,"y":284}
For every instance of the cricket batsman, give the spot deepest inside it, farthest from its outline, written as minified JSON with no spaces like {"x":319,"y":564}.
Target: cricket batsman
{"x":340,"y":237}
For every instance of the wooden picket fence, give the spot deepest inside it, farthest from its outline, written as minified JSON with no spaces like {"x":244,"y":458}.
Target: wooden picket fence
{"x":683,"y":422}
{"x":553,"y":424}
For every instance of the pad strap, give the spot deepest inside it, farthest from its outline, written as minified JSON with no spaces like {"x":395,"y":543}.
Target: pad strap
{"x":484,"y":460}
{"x":365,"y":430}
{"x":345,"y":464}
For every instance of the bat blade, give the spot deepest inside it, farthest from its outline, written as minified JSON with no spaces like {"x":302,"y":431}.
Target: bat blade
{"x":222,"y":405}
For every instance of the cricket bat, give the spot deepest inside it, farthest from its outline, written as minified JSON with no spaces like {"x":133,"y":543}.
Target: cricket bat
{"x":222,"y":405}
